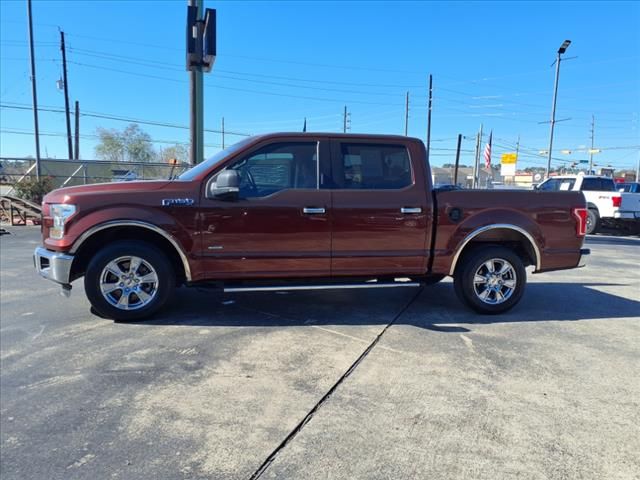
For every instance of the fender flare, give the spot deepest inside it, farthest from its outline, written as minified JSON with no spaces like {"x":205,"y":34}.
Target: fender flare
{"x":135,"y":223}
{"x":495,"y":226}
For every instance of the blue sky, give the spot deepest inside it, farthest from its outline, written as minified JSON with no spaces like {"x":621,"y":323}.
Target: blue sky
{"x":279,"y":62}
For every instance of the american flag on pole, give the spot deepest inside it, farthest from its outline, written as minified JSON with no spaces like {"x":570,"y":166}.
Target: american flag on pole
{"x":487,"y":152}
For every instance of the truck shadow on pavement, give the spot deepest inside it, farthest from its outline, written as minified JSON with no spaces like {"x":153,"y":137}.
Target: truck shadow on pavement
{"x":435,"y":307}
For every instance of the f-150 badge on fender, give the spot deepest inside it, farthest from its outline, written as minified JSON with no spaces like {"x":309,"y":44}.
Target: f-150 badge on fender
{"x":182,"y":202}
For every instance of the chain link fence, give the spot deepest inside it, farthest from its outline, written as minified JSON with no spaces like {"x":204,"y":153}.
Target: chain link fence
{"x":66,"y":173}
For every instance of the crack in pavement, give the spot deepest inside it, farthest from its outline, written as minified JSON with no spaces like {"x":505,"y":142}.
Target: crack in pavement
{"x":307,"y":418}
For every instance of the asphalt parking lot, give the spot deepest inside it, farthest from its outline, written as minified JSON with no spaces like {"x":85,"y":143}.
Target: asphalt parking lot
{"x":261,"y":385}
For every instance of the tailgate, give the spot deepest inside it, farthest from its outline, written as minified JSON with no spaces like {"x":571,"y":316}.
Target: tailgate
{"x":630,"y":203}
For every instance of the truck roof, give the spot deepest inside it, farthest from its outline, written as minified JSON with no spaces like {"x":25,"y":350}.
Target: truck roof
{"x":580,"y":175}
{"x":337,"y":135}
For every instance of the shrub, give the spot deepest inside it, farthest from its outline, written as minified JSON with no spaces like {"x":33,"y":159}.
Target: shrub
{"x":34,"y":190}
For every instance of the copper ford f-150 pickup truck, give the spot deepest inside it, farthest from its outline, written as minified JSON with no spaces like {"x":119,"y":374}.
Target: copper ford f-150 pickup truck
{"x":304,"y":211}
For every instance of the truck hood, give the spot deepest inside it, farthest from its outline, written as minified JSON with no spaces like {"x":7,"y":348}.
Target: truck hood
{"x":115,"y":189}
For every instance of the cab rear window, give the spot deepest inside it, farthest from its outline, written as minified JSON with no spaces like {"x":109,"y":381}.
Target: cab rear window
{"x":598,"y":185}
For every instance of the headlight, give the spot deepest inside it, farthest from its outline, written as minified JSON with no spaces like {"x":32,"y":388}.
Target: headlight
{"x":60,"y":213}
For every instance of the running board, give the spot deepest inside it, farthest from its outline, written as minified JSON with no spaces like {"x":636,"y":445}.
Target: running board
{"x":329,"y":286}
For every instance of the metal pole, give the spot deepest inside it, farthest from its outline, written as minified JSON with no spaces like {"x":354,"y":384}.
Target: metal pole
{"x":406,"y":115}
{"x":429,"y":118}
{"x":77,"y":138}
{"x":344,"y":120}
{"x":196,"y":94}
{"x":66,"y":95}
{"x":638,"y":169}
{"x":593,"y":125}
{"x":553,"y":114}
{"x":223,"y":133}
{"x":477,"y":158}
{"x":517,"y":152}
{"x":455,"y":174}
{"x":34,"y":89}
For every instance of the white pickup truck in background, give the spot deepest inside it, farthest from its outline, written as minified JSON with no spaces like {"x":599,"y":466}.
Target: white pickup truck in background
{"x":607,"y":206}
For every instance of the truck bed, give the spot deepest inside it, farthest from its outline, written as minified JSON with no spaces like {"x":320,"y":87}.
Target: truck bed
{"x":542,"y":216}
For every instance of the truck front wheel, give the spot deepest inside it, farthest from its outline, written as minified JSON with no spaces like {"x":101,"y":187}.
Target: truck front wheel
{"x":129,"y":280}
{"x":490,"y":279}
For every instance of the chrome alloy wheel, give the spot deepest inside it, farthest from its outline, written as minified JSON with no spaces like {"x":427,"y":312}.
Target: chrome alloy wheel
{"x":495,"y":281}
{"x":128,"y":283}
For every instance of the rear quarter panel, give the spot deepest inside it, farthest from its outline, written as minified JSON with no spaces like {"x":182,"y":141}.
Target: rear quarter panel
{"x":546,"y":216}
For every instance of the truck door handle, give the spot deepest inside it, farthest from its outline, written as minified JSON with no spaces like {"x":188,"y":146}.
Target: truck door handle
{"x":313,"y":210}
{"x":411,"y":210}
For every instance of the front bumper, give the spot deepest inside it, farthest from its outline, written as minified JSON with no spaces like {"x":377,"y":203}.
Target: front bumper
{"x":54,"y":266}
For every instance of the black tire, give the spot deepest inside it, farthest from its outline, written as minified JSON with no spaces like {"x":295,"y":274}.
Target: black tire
{"x":152,"y":257}
{"x":474,"y":260}
{"x":593,"y":221}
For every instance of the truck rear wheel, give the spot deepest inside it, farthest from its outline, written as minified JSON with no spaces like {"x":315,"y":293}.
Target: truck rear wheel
{"x":129,"y":280}
{"x":593,"y":221}
{"x":490,"y":279}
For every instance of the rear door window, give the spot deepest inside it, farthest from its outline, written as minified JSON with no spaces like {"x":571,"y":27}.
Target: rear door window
{"x":373,"y":167}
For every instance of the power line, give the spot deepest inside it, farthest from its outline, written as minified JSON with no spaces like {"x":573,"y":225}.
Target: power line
{"x":304,"y":97}
{"x":120,"y":118}
{"x":138,"y":60}
{"x":90,"y":136}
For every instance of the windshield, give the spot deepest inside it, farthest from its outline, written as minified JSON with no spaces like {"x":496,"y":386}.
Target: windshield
{"x":209,"y":163}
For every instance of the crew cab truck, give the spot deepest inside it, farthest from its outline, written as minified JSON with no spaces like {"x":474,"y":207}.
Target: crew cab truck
{"x":607,"y":205}
{"x":295,"y":211}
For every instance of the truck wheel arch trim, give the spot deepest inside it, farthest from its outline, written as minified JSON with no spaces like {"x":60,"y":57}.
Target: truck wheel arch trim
{"x":495,"y":226}
{"x":135,"y":223}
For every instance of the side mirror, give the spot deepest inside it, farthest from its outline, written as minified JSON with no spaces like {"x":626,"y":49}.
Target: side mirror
{"x":226,"y":185}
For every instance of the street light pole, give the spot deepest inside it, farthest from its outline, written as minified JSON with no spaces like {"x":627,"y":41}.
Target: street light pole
{"x":561,"y":50}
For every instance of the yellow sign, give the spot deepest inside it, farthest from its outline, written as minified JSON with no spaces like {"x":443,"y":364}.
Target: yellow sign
{"x":508,"y":167}
{"x":509,"y":158}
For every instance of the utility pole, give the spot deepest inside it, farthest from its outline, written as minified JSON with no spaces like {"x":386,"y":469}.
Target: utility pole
{"x":477,"y":158}
{"x":406,"y":115}
{"x":77,"y":119}
{"x":593,"y":126}
{"x":34,"y":89}
{"x":66,"y":95}
{"x":223,"y":133}
{"x":455,"y":174}
{"x":344,"y":120}
{"x":429,"y":120}
{"x":561,"y":50}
